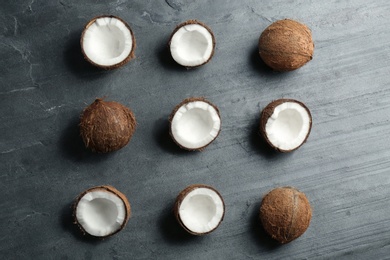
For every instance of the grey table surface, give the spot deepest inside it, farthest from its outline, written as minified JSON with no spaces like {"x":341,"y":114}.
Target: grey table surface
{"x":343,"y":168}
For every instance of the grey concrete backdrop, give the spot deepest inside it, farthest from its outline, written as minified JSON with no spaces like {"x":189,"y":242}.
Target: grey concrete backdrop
{"x":343,"y":168}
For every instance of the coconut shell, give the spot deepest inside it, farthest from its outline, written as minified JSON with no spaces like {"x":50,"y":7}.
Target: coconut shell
{"x":106,"y":126}
{"x":201,"y":24}
{"x":120,"y":64}
{"x":267,"y":113}
{"x":185,"y":101}
{"x":286,"y":45}
{"x":104,"y":188}
{"x":285,"y":214}
{"x":181,"y":197}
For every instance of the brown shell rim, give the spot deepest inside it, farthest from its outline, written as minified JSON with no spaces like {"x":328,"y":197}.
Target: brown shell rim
{"x":267,"y":113}
{"x":181,"y":197}
{"x":105,"y":188}
{"x":119,"y":64}
{"x":189,"y":100}
{"x":289,"y":188}
{"x":201,"y":24}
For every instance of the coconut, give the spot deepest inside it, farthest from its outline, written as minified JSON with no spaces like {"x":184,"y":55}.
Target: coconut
{"x":285,"y":124}
{"x":192,"y":44}
{"x":285,"y":214}
{"x":286,"y":45}
{"x":106,"y":126}
{"x":101,"y":211}
{"x":107,"y":42}
{"x":195,"y":123}
{"x":199,"y":209}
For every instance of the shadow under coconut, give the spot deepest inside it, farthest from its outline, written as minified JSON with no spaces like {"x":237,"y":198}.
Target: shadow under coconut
{"x":165,"y":59}
{"x":259,"y":65}
{"x":67,"y":223}
{"x":257,"y":232}
{"x":258,"y":142}
{"x":171,"y":230}
{"x":75,"y":62}
{"x":73,"y":148}
{"x":164,"y":139}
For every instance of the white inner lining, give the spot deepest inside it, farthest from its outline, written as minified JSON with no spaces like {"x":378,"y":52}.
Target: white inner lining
{"x":288,"y":126}
{"x":195,"y":124}
{"x":201,"y":210}
{"x":100,"y":213}
{"x":107,"y":41}
{"x":191,"y":45}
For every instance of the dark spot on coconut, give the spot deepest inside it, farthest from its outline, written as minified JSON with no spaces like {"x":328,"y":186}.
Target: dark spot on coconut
{"x":286,"y":45}
{"x":106,"y":126}
{"x":285,"y":214}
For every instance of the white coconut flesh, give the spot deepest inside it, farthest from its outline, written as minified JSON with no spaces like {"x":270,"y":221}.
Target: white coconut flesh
{"x":107,"y":41}
{"x":195,"y":124}
{"x":201,"y":210}
{"x":100,"y":213}
{"x":288,"y":126}
{"x":192,"y":45}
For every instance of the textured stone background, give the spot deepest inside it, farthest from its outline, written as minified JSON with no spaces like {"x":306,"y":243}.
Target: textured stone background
{"x":343,"y":168}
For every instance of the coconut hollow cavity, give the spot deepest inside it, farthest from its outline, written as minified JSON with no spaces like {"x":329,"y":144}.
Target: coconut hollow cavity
{"x":195,"y":123}
{"x":108,"y":42}
{"x":286,"y":45}
{"x":106,"y":126}
{"x":192,"y":44}
{"x":101,"y":211}
{"x":285,"y":124}
{"x":285,"y":214}
{"x":199,"y":209}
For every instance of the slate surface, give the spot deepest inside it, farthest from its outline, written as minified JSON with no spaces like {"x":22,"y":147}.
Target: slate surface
{"x":343,"y":168}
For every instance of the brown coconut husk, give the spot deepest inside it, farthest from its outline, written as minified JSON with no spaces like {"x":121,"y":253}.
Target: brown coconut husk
{"x":120,"y":64}
{"x":106,"y":126}
{"x":267,"y":113}
{"x":286,"y":45}
{"x":104,"y":188}
{"x":185,"y":101}
{"x":285,"y":214}
{"x":181,"y":197}
{"x":201,"y":24}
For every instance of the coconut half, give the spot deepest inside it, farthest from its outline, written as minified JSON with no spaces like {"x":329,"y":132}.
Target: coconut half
{"x":192,"y":44}
{"x":101,"y":211}
{"x":199,"y":209}
{"x":108,"y":42}
{"x":285,"y":124}
{"x":195,"y":123}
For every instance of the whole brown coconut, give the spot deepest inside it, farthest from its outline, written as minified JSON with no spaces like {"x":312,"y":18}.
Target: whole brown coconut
{"x":285,"y":214}
{"x":286,"y":45}
{"x":106,"y":126}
